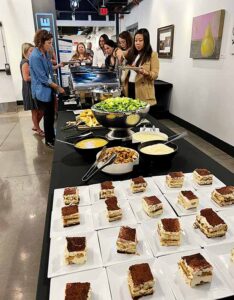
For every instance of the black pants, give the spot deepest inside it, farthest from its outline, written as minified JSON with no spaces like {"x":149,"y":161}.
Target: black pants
{"x":48,"y":109}
{"x":131,"y":90}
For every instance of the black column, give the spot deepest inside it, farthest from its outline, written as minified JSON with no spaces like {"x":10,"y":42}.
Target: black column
{"x":117,"y":26}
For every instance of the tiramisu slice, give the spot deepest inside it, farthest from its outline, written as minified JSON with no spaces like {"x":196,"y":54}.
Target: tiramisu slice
{"x":210,"y":223}
{"x":114,"y":212}
{"x":140,"y":280}
{"x":107,"y":190}
{"x":75,"y":251}
{"x":127,"y":240}
{"x":78,"y":291}
{"x":232,"y":255}
{"x":70,"y":215}
{"x":169,"y":232}
{"x":138,"y":184}
{"x":195,"y":269}
{"x":223,"y":196}
{"x":71,"y":195}
{"x":152,"y":206}
{"x":202,"y":176}
{"x":175,"y":179}
{"x":188,"y":199}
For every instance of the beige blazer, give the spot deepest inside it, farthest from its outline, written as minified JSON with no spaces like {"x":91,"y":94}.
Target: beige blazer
{"x":144,"y":85}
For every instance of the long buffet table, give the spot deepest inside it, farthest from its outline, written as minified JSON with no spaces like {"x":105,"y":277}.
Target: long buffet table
{"x":68,"y":168}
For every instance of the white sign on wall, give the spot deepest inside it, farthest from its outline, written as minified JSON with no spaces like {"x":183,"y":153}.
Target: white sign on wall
{"x":65,"y":52}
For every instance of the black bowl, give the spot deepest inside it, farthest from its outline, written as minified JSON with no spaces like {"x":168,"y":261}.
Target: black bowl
{"x":89,"y":153}
{"x":162,"y":160}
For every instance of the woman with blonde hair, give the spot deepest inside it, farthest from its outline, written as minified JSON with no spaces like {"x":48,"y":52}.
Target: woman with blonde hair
{"x":28,"y":101}
{"x":81,"y":56}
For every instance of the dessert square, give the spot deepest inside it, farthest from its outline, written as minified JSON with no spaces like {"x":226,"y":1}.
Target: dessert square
{"x":223,"y":196}
{"x":71,"y":195}
{"x":209,"y":222}
{"x":114,"y":212}
{"x":188,"y":199}
{"x":70,"y":215}
{"x":75,"y":251}
{"x":107,"y":190}
{"x":127,"y":240}
{"x":140,"y":280}
{"x":152,"y":206}
{"x":195,"y":269}
{"x":169,"y":232}
{"x":138,"y":184}
{"x":78,"y":291}
{"x":175,"y":179}
{"x":202,"y":176}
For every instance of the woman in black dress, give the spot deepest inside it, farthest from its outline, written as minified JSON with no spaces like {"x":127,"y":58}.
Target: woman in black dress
{"x":28,"y":101}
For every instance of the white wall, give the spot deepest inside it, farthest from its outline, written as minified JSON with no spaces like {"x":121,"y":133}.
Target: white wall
{"x":17,"y":19}
{"x":203,"y":91}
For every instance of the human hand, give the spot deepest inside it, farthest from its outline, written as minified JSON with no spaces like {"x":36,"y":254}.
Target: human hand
{"x":61,"y":90}
{"x":142,"y":71}
{"x":119,"y":54}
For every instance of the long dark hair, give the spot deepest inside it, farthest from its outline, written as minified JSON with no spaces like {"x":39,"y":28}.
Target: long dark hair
{"x":145,"y":53}
{"x":105,"y":38}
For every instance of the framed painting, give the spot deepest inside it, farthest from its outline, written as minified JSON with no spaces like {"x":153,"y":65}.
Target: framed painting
{"x":207,"y":32}
{"x":165,"y":38}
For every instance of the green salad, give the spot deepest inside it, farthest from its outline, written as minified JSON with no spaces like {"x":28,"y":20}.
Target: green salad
{"x":120,"y":104}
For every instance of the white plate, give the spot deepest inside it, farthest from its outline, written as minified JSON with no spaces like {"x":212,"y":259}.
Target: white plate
{"x":118,"y":275}
{"x":204,"y":202}
{"x":100,"y":219}
{"x":141,"y":215}
{"x":188,"y":242}
{"x":160,"y":181}
{"x":83,"y":192}
{"x":97,"y":278}
{"x":221,"y":255}
{"x":110,"y":256}
{"x":86,"y":223}
{"x":151,"y":189}
{"x":94,"y":191}
{"x":207,"y":193}
{"x":57,"y":264}
{"x":215,"y":184}
{"x":214,"y":290}
{"x":202,"y":240}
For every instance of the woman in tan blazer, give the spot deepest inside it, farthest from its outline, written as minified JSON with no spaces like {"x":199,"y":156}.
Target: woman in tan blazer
{"x":140,"y":83}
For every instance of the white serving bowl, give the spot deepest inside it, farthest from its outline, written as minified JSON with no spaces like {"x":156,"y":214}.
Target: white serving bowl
{"x":121,"y":168}
{"x":146,"y":136}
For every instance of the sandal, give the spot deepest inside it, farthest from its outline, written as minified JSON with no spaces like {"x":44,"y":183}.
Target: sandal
{"x":40,"y":133}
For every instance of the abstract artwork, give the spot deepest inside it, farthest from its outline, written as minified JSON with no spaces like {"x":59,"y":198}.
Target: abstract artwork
{"x":207,"y":31}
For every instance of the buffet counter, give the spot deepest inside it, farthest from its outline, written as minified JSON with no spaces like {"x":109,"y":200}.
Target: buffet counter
{"x":68,"y":168}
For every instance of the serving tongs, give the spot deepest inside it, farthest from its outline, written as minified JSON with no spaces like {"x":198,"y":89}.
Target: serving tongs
{"x":98,"y":165}
{"x":73,"y":126}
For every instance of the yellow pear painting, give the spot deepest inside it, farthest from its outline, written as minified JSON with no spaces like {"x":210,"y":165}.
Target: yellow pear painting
{"x":208,"y":43}
{"x":207,"y":31}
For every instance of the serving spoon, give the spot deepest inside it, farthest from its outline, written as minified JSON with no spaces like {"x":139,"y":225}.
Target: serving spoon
{"x":177,"y":137}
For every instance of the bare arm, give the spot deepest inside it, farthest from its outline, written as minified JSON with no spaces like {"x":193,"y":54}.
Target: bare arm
{"x":26,"y":72}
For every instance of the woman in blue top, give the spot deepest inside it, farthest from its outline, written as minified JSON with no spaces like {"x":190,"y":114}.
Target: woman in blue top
{"x":42,"y":84}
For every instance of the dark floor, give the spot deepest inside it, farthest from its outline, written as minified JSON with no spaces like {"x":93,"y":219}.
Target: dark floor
{"x":24,"y":180}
